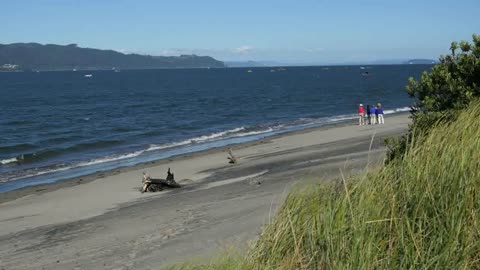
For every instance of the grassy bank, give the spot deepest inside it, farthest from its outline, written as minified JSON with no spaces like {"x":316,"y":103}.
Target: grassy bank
{"x":420,"y":211}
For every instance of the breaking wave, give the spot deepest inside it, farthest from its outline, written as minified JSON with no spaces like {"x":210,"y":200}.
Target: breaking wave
{"x":8,"y":161}
{"x":241,"y":132}
{"x":42,"y":155}
{"x":404,"y":109}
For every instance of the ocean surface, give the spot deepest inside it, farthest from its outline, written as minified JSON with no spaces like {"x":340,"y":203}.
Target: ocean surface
{"x":58,"y":125}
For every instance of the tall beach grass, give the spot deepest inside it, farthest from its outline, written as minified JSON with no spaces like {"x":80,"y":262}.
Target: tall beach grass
{"x":418,"y":212}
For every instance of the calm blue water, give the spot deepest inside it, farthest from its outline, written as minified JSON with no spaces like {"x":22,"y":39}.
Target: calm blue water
{"x":56,"y":125}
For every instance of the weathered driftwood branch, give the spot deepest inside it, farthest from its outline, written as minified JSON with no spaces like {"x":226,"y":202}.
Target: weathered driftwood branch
{"x":232,"y":159}
{"x":152,"y":184}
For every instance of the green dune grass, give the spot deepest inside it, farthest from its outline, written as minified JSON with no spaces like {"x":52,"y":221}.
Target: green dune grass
{"x":418,"y":212}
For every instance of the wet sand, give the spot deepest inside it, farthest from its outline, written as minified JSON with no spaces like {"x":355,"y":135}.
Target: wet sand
{"x":102,"y":221}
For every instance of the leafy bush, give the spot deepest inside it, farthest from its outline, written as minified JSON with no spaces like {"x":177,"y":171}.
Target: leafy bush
{"x":452,"y":84}
{"x":441,"y":93}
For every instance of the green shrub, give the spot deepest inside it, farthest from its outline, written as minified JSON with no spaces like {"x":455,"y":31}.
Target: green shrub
{"x":452,"y":84}
{"x":448,"y":88}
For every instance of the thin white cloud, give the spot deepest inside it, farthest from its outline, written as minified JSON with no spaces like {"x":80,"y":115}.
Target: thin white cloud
{"x":125,"y":51}
{"x":130,"y":51}
{"x":243,"y":49}
{"x":168,"y":52}
{"x":172,"y":51}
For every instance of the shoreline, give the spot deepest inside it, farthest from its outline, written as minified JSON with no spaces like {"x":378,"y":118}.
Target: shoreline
{"x":149,"y":152}
{"x":104,"y":222}
{"x":79,"y":180}
{"x":74,"y":181}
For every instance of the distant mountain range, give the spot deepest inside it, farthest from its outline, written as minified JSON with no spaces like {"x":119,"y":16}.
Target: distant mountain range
{"x":281,"y":64}
{"x":243,"y":64}
{"x":421,"y":61}
{"x":255,"y":64}
{"x":34,"y":56}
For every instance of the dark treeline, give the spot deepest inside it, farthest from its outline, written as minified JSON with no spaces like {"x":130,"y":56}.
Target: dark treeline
{"x":34,"y":56}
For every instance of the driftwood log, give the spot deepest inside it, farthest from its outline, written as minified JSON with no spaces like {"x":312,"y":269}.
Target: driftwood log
{"x":232,"y":159}
{"x":156,"y":184}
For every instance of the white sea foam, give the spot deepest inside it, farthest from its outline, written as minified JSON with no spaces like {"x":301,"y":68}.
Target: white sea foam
{"x":110,"y":158}
{"x":200,"y":139}
{"x":251,"y":133}
{"x":154,"y":147}
{"x":216,"y":135}
{"x":38,"y":173}
{"x":305,"y":122}
{"x":232,"y":133}
{"x":340,"y":118}
{"x":150,"y":148}
{"x":8,"y":160}
{"x":81,"y":164}
{"x":160,"y":147}
{"x":397,"y":110}
{"x":237,"y":132}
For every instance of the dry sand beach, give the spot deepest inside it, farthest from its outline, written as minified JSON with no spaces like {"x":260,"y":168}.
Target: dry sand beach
{"x":102,"y":221}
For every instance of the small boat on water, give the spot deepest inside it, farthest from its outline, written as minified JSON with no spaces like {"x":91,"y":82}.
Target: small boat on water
{"x":249,"y":71}
{"x":88,"y":75}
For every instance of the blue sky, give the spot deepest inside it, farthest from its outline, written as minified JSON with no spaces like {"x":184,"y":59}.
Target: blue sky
{"x":303,"y":31}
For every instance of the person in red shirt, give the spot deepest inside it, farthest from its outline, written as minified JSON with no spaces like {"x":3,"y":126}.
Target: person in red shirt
{"x":361,"y":115}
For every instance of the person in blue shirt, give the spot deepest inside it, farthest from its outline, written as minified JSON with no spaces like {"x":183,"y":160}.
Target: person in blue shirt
{"x":373,"y":114}
{"x":379,"y":113}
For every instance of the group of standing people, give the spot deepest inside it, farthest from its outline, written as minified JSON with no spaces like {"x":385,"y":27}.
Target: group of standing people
{"x":372,"y":115}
